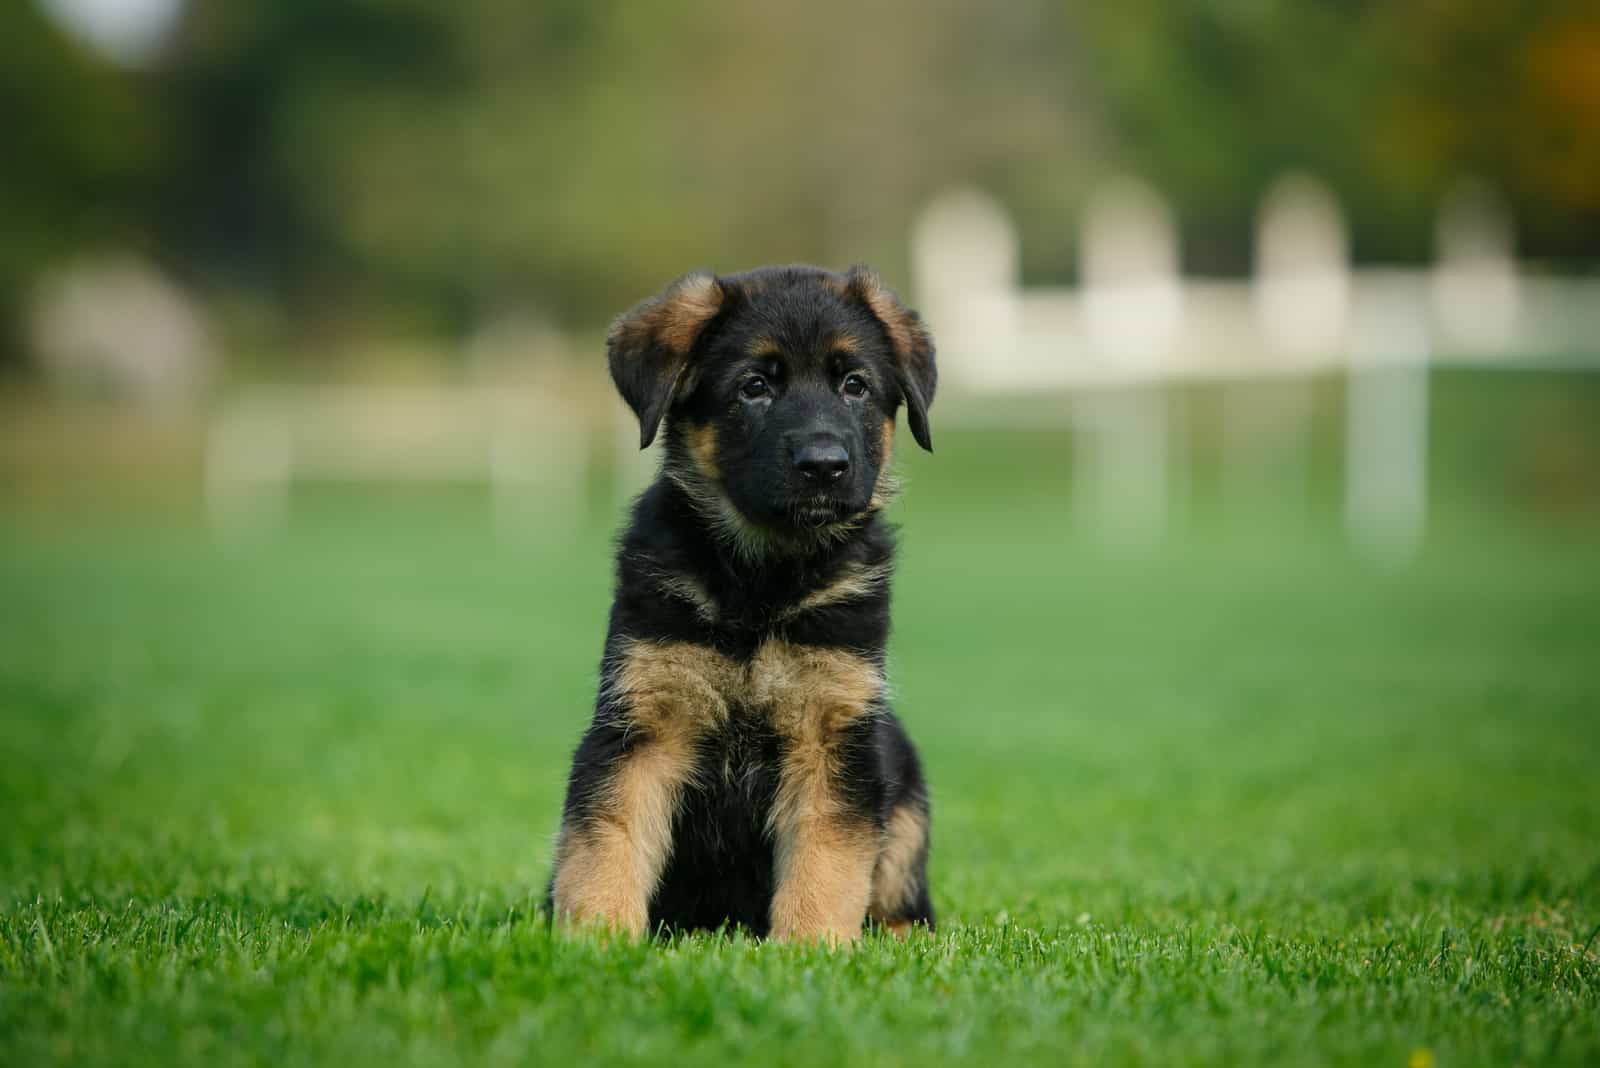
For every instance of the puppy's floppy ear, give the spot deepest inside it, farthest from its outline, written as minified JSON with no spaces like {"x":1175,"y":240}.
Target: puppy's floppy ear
{"x":913,"y":348}
{"x":649,"y":346}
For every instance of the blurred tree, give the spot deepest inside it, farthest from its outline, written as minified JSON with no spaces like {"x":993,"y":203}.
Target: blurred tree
{"x":1507,"y":91}
{"x":449,"y":159}
{"x":379,"y":166}
{"x":79,"y":146}
{"x":1389,"y":103}
{"x":279,"y":113}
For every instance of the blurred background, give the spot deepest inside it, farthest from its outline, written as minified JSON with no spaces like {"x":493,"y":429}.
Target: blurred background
{"x":1255,"y":582}
{"x":1260,"y":554}
{"x":1245,"y":260}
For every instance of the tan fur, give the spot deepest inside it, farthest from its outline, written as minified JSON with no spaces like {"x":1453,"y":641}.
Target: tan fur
{"x":702,"y":443}
{"x":907,"y":337}
{"x":846,"y":343}
{"x":808,"y":692}
{"x":893,"y":886}
{"x":686,"y":309}
{"x":824,"y":854}
{"x":824,"y":877}
{"x":676,"y":687}
{"x":607,"y":867}
{"x":888,"y":312}
{"x":855,"y":582}
{"x":887,"y":485}
{"x":765,"y":348}
{"x":811,"y":691}
{"x":674,"y":319}
{"x":887,"y":489}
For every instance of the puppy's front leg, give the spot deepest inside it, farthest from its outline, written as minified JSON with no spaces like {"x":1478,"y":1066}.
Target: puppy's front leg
{"x":825,"y":819}
{"x":826,"y":848}
{"x":616,"y":832}
{"x":824,"y":879}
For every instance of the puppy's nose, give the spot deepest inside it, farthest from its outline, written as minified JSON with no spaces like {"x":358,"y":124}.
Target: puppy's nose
{"x":821,"y":461}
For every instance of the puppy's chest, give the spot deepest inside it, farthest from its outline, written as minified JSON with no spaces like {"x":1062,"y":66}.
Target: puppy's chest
{"x":740,"y":761}
{"x":795,"y":691}
{"x":845,"y":603}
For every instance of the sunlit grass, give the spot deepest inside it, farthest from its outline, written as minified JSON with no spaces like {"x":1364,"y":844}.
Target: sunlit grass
{"x":1247,"y":800}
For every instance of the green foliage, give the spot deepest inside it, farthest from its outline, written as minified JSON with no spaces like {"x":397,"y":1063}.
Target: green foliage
{"x":1388,"y":103}
{"x":79,"y":148}
{"x":399,"y":166}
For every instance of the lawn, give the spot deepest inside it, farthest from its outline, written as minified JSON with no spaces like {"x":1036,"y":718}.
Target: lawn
{"x":1246,"y":799}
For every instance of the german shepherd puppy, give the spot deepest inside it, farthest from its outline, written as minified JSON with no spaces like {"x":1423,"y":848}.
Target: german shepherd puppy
{"x":743,"y":767}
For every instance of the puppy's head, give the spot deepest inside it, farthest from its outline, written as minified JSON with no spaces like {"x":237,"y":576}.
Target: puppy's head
{"x":779,"y":388}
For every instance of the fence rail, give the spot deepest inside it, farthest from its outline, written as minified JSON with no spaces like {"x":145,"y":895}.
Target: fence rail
{"x":1101,"y":349}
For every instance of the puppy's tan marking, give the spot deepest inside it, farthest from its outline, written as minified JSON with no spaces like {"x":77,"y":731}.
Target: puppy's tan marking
{"x":904,"y":327}
{"x":894,"y":886}
{"x":673,"y":692}
{"x":673,"y":320}
{"x":812,"y":691}
{"x":702,"y":444}
{"x":887,"y":486}
{"x":688,"y":308}
{"x":852,"y":584}
{"x":607,"y":866}
{"x":765,"y":348}
{"x":845,"y":343}
{"x":671,"y":687}
{"x":824,"y":853}
{"x":665,"y":328}
{"x":824,"y":868}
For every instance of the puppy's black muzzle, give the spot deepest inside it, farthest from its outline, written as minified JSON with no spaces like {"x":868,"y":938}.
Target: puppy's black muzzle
{"x":820,"y":459}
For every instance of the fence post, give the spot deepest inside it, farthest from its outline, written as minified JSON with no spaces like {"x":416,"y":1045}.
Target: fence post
{"x":1300,"y":295}
{"x":248,"y":462}
{"x":964,"y":267}
{"x":1132,"y":314}
{"x":1474,"y":286}
{"x":537,"y":468}
{"x":1386,"y":419}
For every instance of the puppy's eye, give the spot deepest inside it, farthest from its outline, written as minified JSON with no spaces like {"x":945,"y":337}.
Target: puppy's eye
{"x":854,"y":385}
{"x":754,"y":388}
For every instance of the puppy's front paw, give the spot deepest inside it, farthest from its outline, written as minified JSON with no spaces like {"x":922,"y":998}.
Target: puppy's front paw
{"x":611,"y":918}
{"x":801,"y":917}
{"x":804,"y":934}
{"x":597,"y":886}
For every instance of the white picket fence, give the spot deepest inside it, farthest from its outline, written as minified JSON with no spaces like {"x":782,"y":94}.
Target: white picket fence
{"x":530,"y":451}
{"x":1134,"y":319}
{"x":1099,"y":352}
{"x":1134,"y":323}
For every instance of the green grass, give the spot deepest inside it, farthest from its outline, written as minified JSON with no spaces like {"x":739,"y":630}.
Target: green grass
{"x":1247,"y":800}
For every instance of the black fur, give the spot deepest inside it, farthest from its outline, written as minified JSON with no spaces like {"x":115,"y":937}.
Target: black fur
{"x":749,"y":535}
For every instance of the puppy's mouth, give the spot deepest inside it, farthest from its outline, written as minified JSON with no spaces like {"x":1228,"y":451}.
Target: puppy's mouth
{"x":818,"y":511}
